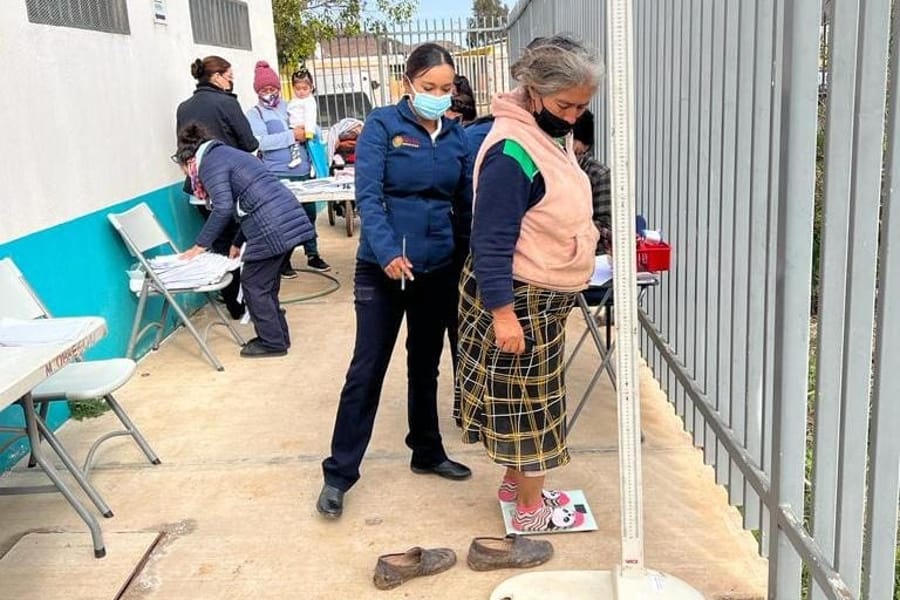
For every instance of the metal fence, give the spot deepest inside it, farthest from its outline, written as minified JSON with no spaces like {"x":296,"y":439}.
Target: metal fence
{"x":773,"y":333}
{"x":354,"y":74}
{"x":582,"y":19}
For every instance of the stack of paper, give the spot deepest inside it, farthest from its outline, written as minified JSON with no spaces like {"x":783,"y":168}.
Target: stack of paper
{"x":177,"y":273}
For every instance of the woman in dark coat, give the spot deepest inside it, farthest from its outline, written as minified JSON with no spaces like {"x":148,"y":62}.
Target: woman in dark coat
{"x":214,"y":106}
{"x":236,"y":185}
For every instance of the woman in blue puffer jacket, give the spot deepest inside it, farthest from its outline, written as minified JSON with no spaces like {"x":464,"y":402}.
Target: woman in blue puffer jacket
{"x":237,"y":185}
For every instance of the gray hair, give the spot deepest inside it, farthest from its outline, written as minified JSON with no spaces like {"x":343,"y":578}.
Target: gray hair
{"x":552,"y":64}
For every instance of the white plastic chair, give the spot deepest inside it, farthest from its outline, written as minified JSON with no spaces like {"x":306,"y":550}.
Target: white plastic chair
{"x":86,"y":380}
{"x":141,"y":232}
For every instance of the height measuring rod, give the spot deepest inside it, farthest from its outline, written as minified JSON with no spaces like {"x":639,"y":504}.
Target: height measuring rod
{"x":620,"y":59}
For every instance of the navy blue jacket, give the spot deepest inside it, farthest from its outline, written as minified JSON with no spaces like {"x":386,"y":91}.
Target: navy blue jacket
{"x":408,"y":186}
{"x":476,"y":131}
{"x":272,"y":221}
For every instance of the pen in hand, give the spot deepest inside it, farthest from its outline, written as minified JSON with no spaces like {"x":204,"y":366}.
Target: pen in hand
{"x":402,"y":273}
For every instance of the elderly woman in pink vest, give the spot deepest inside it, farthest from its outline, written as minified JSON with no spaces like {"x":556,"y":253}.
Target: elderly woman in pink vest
{"x":532,"y":250}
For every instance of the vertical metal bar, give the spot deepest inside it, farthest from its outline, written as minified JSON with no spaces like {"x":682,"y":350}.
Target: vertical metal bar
{"x":654,"y":215}
{"x":772,"y":197}
{"x":725,"y":248}
{"x":671,"y":196}
{"x":714,"y":202}
{"x":864,"y":202}
{"x":756,"y":256}
{"x":793,"y":265}
{"x":369,"y":85}
{"x":884,"y":446}
{"x":692,"y":262}
{"x":740,"y":235}
{"x":703,"y":437}
{"x":661,"y":192}
{"x":842,"y":49}
{"x":679,"y":156}
{"x":715,"y":205}
{"x":668,"y":197}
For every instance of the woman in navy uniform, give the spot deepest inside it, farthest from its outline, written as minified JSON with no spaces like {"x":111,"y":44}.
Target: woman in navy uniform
{"x":413,"y":190}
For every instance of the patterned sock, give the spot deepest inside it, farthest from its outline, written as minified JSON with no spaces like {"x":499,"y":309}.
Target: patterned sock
{"x":546,"y":518}
{"x":532,"y":519}
{"x":509,"y":492}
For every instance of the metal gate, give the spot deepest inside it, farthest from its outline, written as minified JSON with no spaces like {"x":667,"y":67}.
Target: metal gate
{"x":768,"y":147}
{"x":354,"y":74}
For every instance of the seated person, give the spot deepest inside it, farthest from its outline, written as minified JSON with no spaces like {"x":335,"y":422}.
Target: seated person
{"x":598,"y":173}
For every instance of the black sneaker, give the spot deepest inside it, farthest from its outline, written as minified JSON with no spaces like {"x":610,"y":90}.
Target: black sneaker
{"x":317,"y":264}
{"x":289,"y":274}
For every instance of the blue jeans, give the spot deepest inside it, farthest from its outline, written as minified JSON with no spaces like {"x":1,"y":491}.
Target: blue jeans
{"x":380,"y":307}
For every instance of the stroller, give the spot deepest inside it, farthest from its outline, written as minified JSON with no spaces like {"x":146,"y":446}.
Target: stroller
{"x":342,"y":149}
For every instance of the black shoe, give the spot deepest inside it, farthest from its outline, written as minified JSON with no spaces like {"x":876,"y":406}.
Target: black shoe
{"x":289,"y":274}
{"x":331,"y":502}
{"x":254,"y":349}
{"x":448,"y":469}
{"x":317,"y":264}
{"x":236,"y":311}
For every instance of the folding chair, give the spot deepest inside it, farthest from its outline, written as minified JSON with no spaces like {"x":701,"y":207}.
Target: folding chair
{"x":601,"y":297}
{"x":141,"y":232}
{"x":85,"y":380}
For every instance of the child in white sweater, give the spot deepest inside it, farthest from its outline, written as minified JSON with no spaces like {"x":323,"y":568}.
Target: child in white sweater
{"x":302,"y":110}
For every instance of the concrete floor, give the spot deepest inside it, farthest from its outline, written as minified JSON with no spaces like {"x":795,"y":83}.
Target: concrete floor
{"x":241,"y":451}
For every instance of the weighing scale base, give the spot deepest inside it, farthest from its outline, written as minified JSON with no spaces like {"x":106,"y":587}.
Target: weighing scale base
{"x":642,"y":584}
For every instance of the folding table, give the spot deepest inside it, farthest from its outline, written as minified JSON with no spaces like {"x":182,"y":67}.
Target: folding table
{"x":23,"y":367}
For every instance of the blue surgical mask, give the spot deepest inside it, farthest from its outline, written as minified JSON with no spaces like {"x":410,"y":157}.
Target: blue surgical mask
{"x":429,"y":106}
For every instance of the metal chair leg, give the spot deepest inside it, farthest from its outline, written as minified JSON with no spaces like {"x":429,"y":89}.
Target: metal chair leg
{"x":190,"y":327}
{"x":138,"y":317}
{"x":70,"y":465}
{"x":130,"y":429}
{"x":45,"y":408}
{"x":32,"y":425}
{"x":224,"y":321}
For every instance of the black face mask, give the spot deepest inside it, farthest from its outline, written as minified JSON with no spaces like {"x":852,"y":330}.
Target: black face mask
{"x":551,"y":124}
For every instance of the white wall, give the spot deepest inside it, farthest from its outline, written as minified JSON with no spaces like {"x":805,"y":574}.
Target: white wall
{"x":87,"y":119}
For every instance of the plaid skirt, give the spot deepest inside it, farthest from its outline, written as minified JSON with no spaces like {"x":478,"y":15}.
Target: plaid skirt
{"x":515,"y":405}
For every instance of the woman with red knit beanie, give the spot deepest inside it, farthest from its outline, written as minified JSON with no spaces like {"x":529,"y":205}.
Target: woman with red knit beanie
{"x":269,"y":121}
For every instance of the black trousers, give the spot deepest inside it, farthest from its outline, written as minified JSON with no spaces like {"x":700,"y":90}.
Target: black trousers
{"x":262,"y":281}
{"x":222,"y":245}
{"x":380,"y":307}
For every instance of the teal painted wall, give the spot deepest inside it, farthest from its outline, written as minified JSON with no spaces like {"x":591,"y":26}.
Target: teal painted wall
{"x":78,"y":268}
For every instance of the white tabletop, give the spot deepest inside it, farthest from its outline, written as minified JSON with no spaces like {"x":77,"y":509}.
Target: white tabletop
{"x":23,"y":367}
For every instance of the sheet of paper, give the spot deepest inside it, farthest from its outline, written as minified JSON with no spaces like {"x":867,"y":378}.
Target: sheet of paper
{"x":603,"y":270}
